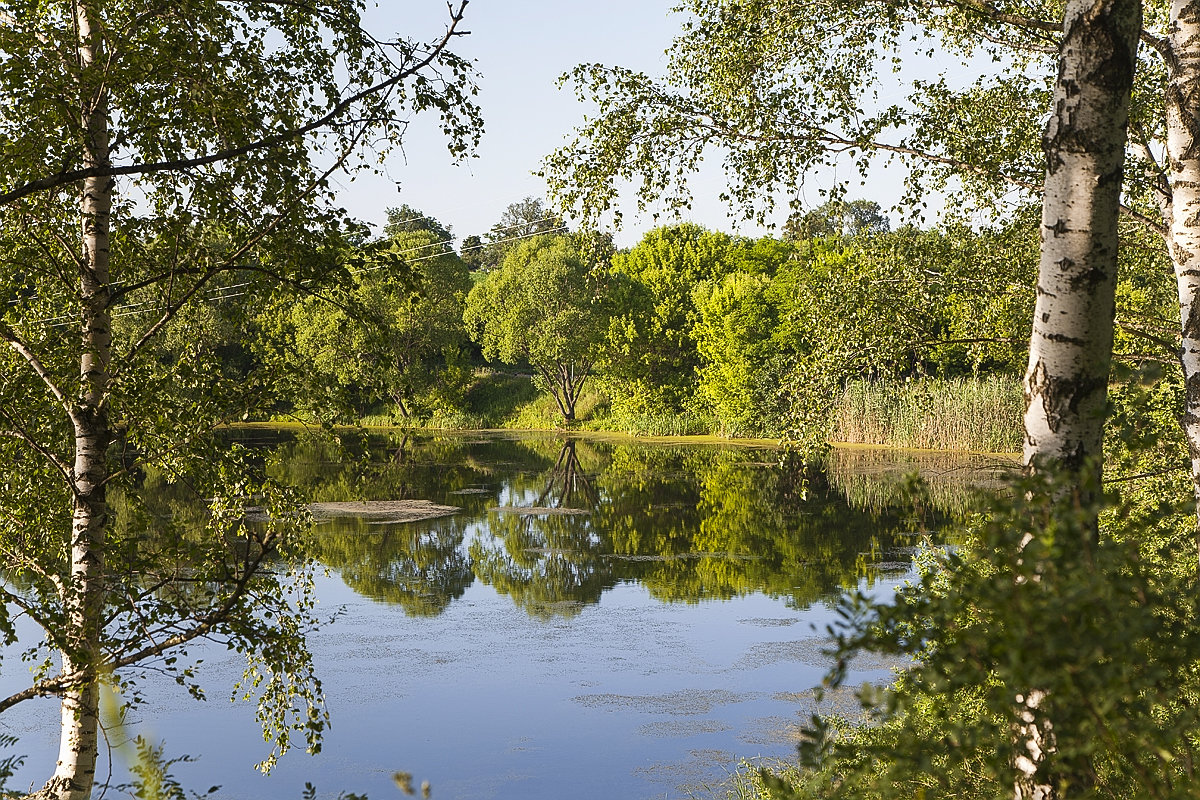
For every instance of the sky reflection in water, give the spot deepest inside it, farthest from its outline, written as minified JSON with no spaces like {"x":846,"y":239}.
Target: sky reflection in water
{"x":654,"y":621}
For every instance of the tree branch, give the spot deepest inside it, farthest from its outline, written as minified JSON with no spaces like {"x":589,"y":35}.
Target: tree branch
{"x":203,"y":626}
{"x":26,"y":608}
{"x":831,"y":138}
{"x":1166,"y":344}
{"x":1157,"y":226}
{"x":8,"y":335}
{"x":19,"y":433}
{"x":988,"y":10}
{"x":283,"y":137}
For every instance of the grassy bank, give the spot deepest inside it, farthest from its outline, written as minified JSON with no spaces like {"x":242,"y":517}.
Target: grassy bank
{"x":972,"y":415}
{"x":979,"y":415}
{"x":503,"y":399}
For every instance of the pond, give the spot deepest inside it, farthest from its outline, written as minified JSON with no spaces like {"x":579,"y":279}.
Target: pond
{"x":599,"y":618}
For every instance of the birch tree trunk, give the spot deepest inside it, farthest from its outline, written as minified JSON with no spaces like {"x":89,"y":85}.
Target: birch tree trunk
{"x":83,"y":592}
{"x":1070,"y":351}
{"x":1182,"y":213}
{"x":1070,"y":347}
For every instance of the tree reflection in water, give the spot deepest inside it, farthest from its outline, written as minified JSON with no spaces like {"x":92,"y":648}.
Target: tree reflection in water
{"x":546,"y":555}
{"x":569,"y":519}
{"x":422,"y":568}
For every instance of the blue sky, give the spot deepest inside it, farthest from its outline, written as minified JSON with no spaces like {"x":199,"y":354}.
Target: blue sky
{"x":520,"y":48}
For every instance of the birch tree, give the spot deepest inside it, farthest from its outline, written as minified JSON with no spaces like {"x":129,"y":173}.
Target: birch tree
{"x":1070,"y":349}
{"x":131,"y":132}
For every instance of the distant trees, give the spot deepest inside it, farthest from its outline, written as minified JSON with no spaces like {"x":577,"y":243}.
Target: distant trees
{"x":654,"y":357}
{"x":718,"y":332}
{"x":395,"y":334}
{"x":527,"y":217}
{"x":781,"y":333}
{"x":729,"y":334}
{"x":837,"y":218}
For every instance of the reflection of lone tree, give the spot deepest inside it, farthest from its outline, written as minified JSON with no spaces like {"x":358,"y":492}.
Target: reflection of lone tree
{"x":549,"y":563}
{"x":567,"y":480}
{"x":544,"y":306}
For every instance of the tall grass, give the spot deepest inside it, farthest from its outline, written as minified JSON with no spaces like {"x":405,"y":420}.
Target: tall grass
{"x":973,"y":414}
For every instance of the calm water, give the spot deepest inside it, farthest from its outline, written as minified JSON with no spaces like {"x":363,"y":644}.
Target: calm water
{"x":600,"y":619}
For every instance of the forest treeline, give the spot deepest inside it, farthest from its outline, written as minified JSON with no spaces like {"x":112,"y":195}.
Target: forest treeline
{"x":840,"y":328}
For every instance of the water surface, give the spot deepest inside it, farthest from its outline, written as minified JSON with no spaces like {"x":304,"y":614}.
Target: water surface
{"x":600,"y":619}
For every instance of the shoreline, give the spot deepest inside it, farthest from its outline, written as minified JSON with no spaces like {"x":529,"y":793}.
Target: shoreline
{"x":602,"y":435}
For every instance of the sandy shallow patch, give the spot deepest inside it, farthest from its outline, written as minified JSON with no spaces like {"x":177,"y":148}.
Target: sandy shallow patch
{"x":388,"y":511}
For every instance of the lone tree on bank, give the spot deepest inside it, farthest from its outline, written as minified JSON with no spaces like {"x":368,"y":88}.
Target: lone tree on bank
{"x":152,"y":148}
{"x":545,"y":306}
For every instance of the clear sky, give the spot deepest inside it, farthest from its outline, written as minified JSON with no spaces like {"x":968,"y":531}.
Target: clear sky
{"x":520,"y":48}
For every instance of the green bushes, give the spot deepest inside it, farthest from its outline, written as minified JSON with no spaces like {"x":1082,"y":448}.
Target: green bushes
{"x":1105,"y":625}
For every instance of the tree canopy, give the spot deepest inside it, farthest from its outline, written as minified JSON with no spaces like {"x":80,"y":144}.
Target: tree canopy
{"x":394,"y":336}
{"x":151,"y":153}
{"x":545,"y":307}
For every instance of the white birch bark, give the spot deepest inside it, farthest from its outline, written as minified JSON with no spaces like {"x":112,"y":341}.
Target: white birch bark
{"x":1182,"y":213}
{"x":83,"y":591}
{"x":1070,"y":352}
{"x":1071,"y":344}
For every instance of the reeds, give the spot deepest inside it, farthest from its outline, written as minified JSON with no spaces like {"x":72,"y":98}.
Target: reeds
{"x":661,"y":424}
{"x":966,"y":414}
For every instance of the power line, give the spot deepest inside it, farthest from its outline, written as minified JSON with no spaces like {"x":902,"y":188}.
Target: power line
{"x":218,"y":294}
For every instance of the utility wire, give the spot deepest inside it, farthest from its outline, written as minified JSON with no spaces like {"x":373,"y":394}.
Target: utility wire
{"x":218,"y":294}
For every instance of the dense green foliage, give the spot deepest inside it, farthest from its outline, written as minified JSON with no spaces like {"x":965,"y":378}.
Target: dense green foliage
{"x":546,"y":308}
{"x":861,"y":334}
{"x":654,"y":351}
{"x":1106,"y":633}
{"x":688,"y":331}
{"x":394,"y":336}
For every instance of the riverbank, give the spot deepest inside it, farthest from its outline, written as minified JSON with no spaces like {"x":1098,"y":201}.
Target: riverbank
{"x":979,"y":415}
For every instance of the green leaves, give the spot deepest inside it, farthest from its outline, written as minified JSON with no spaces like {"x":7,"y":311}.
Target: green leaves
{"x":1106,"y":632}
{"x":779,"y":90}
{"x":547,"y":308}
